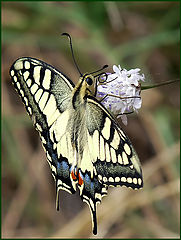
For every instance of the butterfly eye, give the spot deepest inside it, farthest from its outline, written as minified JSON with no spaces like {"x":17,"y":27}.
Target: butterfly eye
{"x":89,"y":81}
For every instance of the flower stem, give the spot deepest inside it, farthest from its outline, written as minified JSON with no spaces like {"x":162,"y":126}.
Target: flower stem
{"x":158,"y":84}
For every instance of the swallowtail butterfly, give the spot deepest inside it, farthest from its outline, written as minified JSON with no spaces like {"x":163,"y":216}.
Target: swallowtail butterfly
{"x":84,"y":144}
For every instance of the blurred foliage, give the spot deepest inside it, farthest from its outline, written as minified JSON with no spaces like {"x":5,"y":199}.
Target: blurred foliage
{"x":132,"y":34}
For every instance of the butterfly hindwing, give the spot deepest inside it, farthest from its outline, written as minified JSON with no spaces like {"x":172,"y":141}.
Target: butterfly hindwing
{"x":108,"y":158}
{"x":115,"y":160}
{"x":92,"y":192}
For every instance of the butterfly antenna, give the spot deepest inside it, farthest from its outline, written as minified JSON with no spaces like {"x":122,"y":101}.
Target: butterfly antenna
{"x":68,"y":35}
{"x":105,"y":66}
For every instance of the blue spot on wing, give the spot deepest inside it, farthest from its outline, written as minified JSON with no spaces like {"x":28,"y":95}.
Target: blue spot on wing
{"x":92,"y":186}
{"x":87,"y":179}
{"x":54,"y":158}
{"x":63,"y":168}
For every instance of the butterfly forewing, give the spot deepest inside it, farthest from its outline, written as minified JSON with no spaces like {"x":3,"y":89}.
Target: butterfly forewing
{"x":83,"y":142}
{"x":46,"y":95}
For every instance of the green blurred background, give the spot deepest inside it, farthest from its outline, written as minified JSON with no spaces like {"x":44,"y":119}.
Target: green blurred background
{"x":132,"y":34}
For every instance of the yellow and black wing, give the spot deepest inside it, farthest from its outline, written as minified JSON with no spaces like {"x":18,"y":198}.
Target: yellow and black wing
{"x":83,"y":142}
{"x":46,"y":94}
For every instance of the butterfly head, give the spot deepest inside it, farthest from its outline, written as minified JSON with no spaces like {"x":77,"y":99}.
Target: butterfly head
{"x":89,"y":81}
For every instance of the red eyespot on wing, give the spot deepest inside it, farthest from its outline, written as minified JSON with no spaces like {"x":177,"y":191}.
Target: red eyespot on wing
{"x":73,"y":176}
{"x":81,"y":181}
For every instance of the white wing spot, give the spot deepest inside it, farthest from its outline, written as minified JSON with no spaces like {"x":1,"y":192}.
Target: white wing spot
{"x":18,"y":85}
{"x":18,"y":65}
{"x":117,"y":179}
{"x":104,"y":179}
{"x":96,"y":143}
{"x":26,"y":101}
{"x":46,"y":79}
{"x":135,"y":180}
{"x":30,"y":110}
{"x":27,"y":65}
{"x":26,"y":75}
{"x":106,"y":129}
{"x":28,"y":82}
{"x":131,"y":166}
{"x":129,"y":180}
{"x":111,"y":179}
{"x":54,"y":146}
{"x":12,"y":73}
{"x":139,"y":181}
{"x":21,"y":92}
{"x":127,"y":148}
{"x":113,"y":155}
{"x":123,"y":179}
{"x":36,"y":74}
{"x":125,"y":158}
{"x":120,"y":159}
{"x":100,"y":177}
{"x":107,"y":153}
{"x":102,"y":152}
{"x":15,"y":79}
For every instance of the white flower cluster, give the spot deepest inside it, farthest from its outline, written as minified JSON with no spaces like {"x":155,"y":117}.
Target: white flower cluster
{"x":121,"y":91}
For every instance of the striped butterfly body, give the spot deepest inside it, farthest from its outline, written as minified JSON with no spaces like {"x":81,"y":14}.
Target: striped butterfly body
{"x":84,"y":144}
